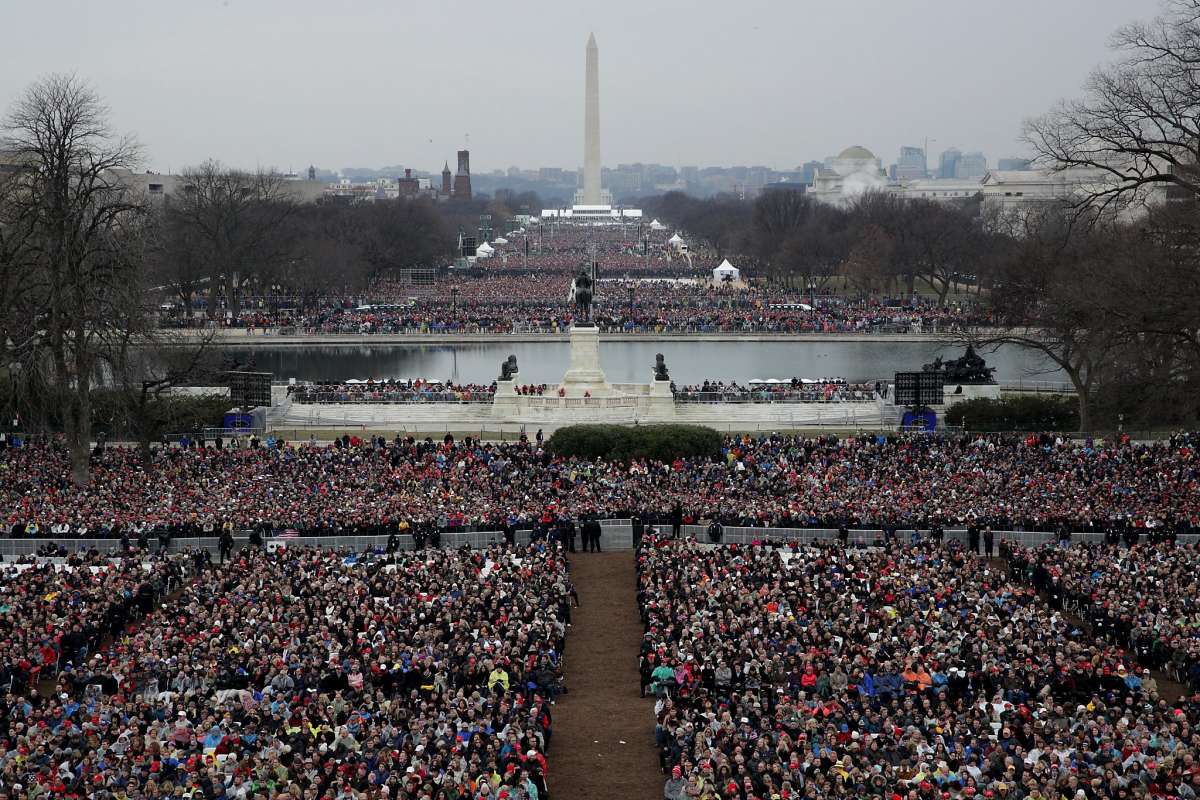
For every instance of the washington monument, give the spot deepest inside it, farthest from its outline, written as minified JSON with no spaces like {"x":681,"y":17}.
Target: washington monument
{"x":592,"y":194}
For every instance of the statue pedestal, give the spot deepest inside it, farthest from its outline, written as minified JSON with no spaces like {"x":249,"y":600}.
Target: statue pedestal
{"x":506,"y":399}
{"x":662,"y":401}
{"x":958,"y":392}
{"x":584,"y":376}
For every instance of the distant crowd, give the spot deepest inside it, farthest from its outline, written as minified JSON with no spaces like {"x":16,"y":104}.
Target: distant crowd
{"x":797,"y":390}
{"x":391,"y":391}
{"x":371,"y":486}
{"x":649,"y":288}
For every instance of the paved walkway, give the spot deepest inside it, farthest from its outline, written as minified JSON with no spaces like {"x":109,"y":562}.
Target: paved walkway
{"x":603,"y":731}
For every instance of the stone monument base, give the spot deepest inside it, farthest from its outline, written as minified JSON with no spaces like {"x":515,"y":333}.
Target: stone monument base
{"x":506,"y":399}
{"x":959,"y":392}
{"x":584,"y":378}
{"x":662,"y":400}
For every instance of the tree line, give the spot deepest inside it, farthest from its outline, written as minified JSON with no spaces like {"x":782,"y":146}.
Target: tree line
{"x":878,"y":243}
{"x":85,"y":261}
{"x":230,"y":232}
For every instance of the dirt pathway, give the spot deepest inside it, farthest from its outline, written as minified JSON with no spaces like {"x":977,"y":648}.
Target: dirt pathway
{"x":603,"y":731}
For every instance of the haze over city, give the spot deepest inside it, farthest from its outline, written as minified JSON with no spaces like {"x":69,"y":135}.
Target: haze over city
{"x":286,"y":85}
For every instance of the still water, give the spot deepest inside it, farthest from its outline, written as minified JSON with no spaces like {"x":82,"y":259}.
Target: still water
{"x":628,"y":362}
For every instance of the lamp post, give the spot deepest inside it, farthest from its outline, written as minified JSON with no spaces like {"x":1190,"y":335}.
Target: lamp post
{"x":454,"y":299}
{"x":631,"y":294}
{"x":812,"y":293}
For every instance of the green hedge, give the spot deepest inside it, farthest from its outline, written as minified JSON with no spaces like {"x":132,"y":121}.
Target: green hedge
{"x":624,"y":442}
{"x":1026,"y":412}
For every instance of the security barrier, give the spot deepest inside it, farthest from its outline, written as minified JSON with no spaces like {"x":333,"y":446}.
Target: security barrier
{"x":744,"y":536}
{"x":616,"y":534}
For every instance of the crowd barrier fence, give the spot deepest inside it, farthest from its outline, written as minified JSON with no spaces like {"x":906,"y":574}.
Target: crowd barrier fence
{"x":616,"y":534}
{"x":745,"y":536}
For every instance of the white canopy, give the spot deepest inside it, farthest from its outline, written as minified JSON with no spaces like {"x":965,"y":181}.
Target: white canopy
{"x":502,"y":240}
{"x":484,"y":250}
{"x":655,"y":225}
{"x":726,"y":270}
{"x":676,"y":239}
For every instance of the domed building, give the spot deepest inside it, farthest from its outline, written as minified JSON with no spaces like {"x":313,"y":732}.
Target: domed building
{"x":848,"y":174}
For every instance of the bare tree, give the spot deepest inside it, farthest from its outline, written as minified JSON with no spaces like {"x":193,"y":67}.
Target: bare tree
{"x":814,"y":251}
{"x":177,"y":257}
{"x":1052,"y":299}
{"x":777,"y":219}
{"x":944,"y":242}
{"x":149,"y":366}
{"x":236,"y":220}
{"x":1138,"y":124}
{"x":398,"y":233}
{"x":717,"y":223}
{"x":867,"y":264}
{"x":75,"y":214}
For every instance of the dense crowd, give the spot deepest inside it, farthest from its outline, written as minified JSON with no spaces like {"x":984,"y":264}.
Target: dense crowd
{"x":299,"y":674}
{"x":797,"y":390}
{"x":626,"y":250}
{"x":371,"y":486}
{"x":391,"y":391}
{"x":1145,"y":597}
{"x":51,"y":610}
{"x":919,"y":673}
{"x":501,"y":304}
{"x":643,"y":288}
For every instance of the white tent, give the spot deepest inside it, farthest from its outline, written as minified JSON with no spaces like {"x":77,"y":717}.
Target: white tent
{"x":502,"y":240}
{"x":655,"y":225}
{"x":675,"y":241}
{"x":726,"y":271}
{"x":484,"y":250}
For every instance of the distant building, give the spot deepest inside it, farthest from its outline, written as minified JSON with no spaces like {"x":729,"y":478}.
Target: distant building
{"x":971,"y":165}
{"x":948,"y":163}
{"x":447,"y":186}
{"x":156,"y":187}
{"x":785,"y":186}
{"x":911,"y":164}
{"x":312,"y":172}
{"x":346,"y":190}
{"x":12,"y":163}
{"x":808,"y":170}
{"x":462,"y":178}
{"x":1013,"y":164}
{"x":1012,"y":189}
{"x":847,"y":175}
{"x":408,"y":186}
{"x":940,"y":189}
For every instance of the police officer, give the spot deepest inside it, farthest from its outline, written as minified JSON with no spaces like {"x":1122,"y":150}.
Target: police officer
{"x":225,"y":544}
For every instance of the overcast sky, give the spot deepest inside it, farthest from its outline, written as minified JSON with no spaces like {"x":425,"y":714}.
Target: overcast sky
{"x":338,"y":83}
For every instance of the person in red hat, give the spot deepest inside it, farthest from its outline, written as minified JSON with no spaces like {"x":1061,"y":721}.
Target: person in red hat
{"x":675,"y":787}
